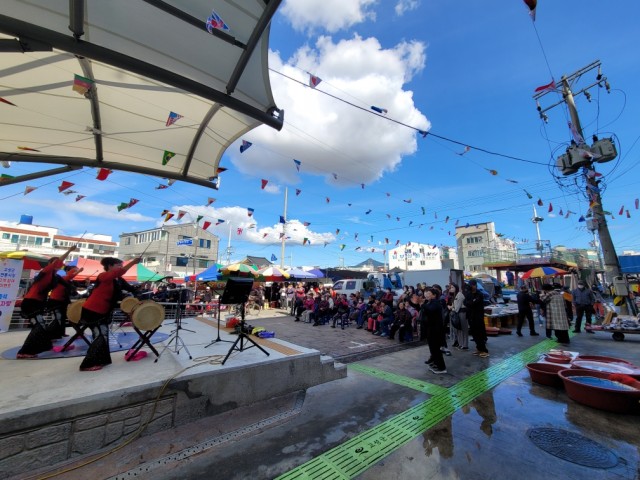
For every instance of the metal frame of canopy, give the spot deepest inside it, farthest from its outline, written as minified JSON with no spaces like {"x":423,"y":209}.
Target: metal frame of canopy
{"x":233,"y":103}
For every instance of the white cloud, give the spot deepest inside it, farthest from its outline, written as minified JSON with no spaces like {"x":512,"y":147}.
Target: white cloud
{"x":327,"y":135}
{"x":252,"y":231}
{"x":93,"y":209}
{"x":330,"y":15}
{"x":406,"y":6}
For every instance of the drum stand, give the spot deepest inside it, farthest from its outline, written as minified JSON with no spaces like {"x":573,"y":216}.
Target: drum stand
{"x":242,"y":337}
{"x":218,"y":339}
{"x":174,"y":337}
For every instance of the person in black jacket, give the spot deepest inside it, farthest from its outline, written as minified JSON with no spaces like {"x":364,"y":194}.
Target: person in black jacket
{"x":524,"y":311}
{"x":432,"y":314}
{"x":474,"y":303}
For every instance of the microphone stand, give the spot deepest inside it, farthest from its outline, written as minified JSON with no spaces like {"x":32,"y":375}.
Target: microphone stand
{"x":218,"y":339}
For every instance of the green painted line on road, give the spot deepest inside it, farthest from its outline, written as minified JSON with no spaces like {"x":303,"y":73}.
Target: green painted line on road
{"x":360,"y":453}
{"x":409,"y":382}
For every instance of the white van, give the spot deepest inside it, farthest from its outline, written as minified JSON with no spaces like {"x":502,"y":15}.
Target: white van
{"x":348,"y":286}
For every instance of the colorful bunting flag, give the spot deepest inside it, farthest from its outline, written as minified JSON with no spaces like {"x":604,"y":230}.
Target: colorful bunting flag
{"x":69,"y":192}
{"x":560,"y":212}
{"x":492,"y":172}
{"x":328,"y":199}
{"x":282,"y":219}
{"x":382,"y":111}
{"x":171,"y":181}
{"x":368,"y":212}
{"x":314,"y":81}
{"x":250,"y":211}
{"x":173,"y":118}
{"x":529,"y":196}
{"x":215,"y":22}
{"x":628,"y":214}
{"x":181,"y":213}
{"x":65,"y":185}
{"x":281,"y":235}
{"x":337,"y":231}
{"x":621,"y":210}
{"x":550,"y":207}
{"x":132,"y":202}
{"x":220,"y":221}
{"x":637,"y":203}
{"x":264,"y":183}
{"x":335,"y":176}
{"x":397,"y":242}
{"x":29,"y":189}
{"x":164,"y":212}
{"x":4,"y":100}
{"x":540,"y":202}
{"x":306,"y":224}
{"x":162,"y":186}
{"x":407,"y":200}
{"x":210,"y":201}
{"x":305,"y":240}
{"x":166,"y":156}
{"x":122,"y":206}
{"x":297,"y":164}
{"x":424,"y":211}
{"x":245,"y":146}
{"x":582,"y":219}
{"x":220,"y":170}
{"x":342,"y":246}
{"x":28,"y":149}
{"x":198,"y":218}
{"x":298,"y":191}
{"x":362,"y":185}
{"x":81,"y":84}
{"x":264,"y":235}
{"x":79,"y":197}
{"x":575,"y":134}
{"x":273,"y":257}
{"x":103,"y":173}
{"x":206,"y":224}
{"x":239,"y":230}
{"x":512,"y":181}
{"x":549,"y":87}
{"x":466,"y":149}
{"x":532,"y":8}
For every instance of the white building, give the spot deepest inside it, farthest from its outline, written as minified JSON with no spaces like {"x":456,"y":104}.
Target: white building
{"x":478,"y":244}
{"x":47,"y":241}
{"x":420,"y":256}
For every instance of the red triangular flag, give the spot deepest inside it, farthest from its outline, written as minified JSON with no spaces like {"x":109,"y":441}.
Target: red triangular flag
{"x":7,"y":102}
{"x":637,"y":203}
{"x":206,"y":225}
{"x":132,"y":202}
{"x":621,"y":210}
{"x":181,"y":213}
{"x":264,"y":183}
{"x":103,"y":173}
{"x":210,"y":201}
{"x":628,"y":214}
{"x":550,"y":207}
{"x":65,"y":185}
{"x":29,"y":189}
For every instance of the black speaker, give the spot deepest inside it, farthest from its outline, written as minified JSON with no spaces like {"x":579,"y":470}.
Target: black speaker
{"x":237,"y":290}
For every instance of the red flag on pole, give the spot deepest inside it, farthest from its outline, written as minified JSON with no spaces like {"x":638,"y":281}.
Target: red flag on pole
{"x":206,"y":225}
{"x":264,"y":183}
{"x":103,"y":173}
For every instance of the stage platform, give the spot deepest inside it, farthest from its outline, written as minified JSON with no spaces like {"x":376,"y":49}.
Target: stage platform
{"x":51,"y":412}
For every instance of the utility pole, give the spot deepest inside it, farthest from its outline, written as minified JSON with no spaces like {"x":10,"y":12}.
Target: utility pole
{"x":580,"y":156}
{"x":283,"y":239}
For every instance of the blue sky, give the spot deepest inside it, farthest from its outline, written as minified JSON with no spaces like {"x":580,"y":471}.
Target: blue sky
{"x":462,"y":70}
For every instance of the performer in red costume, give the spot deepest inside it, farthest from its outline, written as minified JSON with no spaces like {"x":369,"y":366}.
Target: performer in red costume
{"x":59,"y":300}
{"x":96,"y":311}
{"x":32,"y":308}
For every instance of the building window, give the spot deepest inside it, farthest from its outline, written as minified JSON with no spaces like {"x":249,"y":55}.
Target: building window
{"x":5,"y":236}
{"x":14,"y":238}
{"x":127,"y":241}
{"x":203,"y":243}
{"x":38,"y":240}
{"x":422,"y":262}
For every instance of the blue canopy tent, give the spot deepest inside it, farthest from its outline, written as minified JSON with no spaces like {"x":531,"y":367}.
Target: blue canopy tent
{"x":209,"y":275}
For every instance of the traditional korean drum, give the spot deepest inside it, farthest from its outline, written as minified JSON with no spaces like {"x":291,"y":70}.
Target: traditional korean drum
{"x":74,"y":310}
{"x":147,"y":315}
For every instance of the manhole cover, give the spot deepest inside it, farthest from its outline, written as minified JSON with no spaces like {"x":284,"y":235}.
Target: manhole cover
{"x":573,"y":447}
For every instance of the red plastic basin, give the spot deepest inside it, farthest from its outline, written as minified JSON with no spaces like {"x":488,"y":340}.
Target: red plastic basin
{"x":618,"y":401}
{"x":546,"y":374}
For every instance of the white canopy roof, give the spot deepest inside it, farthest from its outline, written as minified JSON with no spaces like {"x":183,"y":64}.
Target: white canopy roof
{"x":148,"y":58}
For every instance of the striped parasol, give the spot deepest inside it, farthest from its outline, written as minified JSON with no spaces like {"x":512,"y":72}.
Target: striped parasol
{"x":540,"y":272}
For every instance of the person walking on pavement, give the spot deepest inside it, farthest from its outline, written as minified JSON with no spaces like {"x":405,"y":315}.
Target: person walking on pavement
{"x":474,"y":303}
{"x":555,"y":314}
{"x":524,"y":311}
{"x":583,"y":300}
{"x":432,"y":309}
